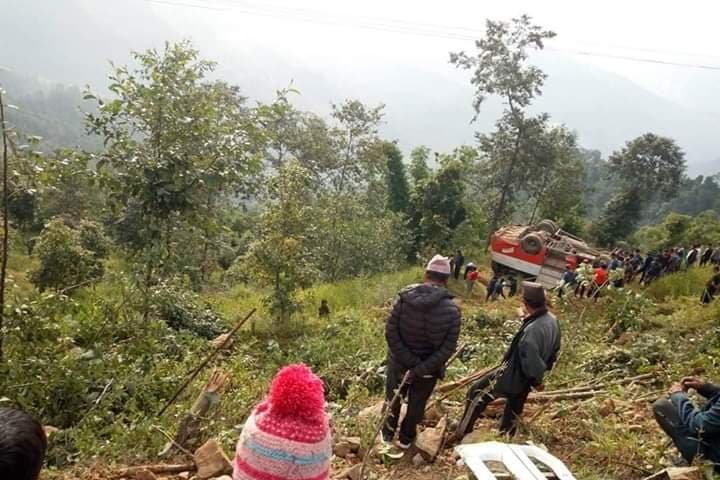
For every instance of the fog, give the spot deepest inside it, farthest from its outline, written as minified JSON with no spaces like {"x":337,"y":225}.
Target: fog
{"x":604,"y":77}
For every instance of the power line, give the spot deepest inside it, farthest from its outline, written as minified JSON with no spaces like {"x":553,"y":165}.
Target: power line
{"x":403,"y":27}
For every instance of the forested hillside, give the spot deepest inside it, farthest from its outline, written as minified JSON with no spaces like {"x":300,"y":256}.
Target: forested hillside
{"x":160,"y":210}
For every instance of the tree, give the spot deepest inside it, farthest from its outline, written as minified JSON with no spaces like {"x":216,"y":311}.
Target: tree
{"x":175,"y":143}
{"x":557,"y":189}
{"x":64,"y":261}
{"x":647,"y":167}
{"x":281,"y":254}
{"x":614,"y":222}
{"x":396,"y":179}
{"x":500,"y":68}
{"x":650,"y":164}
{"x":419,"y":170}
{"x":439,"y":208}
{"x":358,"y":161}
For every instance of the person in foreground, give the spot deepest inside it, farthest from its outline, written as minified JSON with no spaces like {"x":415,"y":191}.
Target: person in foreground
{"x":422,"y":333}
{"x":22,"y":445}
{"x":532,"y":352}
{"x":288,"y":435}
{"x":694,"y":431}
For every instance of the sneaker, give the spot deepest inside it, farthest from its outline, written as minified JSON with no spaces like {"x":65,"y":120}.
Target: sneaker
{"x":389,"y":450}
{"x":404,"y":446}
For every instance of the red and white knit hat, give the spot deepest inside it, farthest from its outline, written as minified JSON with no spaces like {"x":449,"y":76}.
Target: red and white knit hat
{"x":439,"y":264}
{"x":288,"y":434}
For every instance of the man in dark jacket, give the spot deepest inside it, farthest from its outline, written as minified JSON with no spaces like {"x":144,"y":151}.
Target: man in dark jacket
{"x":422,"y":334}
{"x":458,"y":262}
{"x":693,"y":431}
{"x":533,"y":351}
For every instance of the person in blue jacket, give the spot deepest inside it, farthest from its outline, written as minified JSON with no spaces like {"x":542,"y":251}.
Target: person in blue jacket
{"x":694,"y":431}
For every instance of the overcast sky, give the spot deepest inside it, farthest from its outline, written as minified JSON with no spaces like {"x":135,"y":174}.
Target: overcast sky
{"x":684,"y":32}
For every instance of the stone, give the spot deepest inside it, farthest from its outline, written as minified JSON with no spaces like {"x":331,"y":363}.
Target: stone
{"x":607,"y":407}
{"x":346,"y":446}
{"x":418,"y":460}
{"x":352,"y":473}
{"x":430,"y":440}
{"x":211,"y":461}
{"x":374,"y":412}
{"x":476,"y":436}
{"x":144,"y":475}
{"x":342,"y":449}
{"x":677,"y":473}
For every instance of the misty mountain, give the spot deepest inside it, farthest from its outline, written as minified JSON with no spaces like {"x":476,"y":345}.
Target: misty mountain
{"x":73,"y":40}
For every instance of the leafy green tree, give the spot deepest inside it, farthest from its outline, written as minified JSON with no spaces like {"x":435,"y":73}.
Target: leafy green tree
{"x":175,"y":143}
{"x":419,"y":170}
{"x":358,"y":162}
{"x":650,"y":164}
{"x":64,"y":262}
{"x":613,"y":224}
{"x":281,"y":254}
{"x":439,"y":208}
{"x":645,"y":168}
{"x":396,"y":179}
{"x":557,"y":191}
{"x":500,"y":68}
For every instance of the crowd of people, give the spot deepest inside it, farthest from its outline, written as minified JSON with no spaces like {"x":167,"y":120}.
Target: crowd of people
{"x":288,"y":435}
{"x":584,"y":278}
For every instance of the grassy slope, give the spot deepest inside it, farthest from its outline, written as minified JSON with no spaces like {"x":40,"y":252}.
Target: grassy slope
{"x":671,"y":336}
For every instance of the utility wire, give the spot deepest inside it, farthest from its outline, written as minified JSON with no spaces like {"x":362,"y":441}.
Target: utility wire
{"x":417,"y":29}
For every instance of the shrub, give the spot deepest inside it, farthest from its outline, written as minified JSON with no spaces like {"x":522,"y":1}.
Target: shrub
{"x":64,"y":262}
{"x":183,"y":310}
{"x":93,"y":238}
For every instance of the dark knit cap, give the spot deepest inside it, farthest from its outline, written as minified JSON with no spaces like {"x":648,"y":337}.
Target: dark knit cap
{"x":533,"y":292}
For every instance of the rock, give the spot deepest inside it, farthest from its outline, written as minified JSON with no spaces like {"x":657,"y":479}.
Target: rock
{"x":353,"y":473}
{"x":678,"y":473}
{"x":184,"y":475}
{"x":430,"y":440}
{"x":476,"y":436}
{"x":342,"y":449}
{"x":607,"y":407}
{"x":346,"y":446}
{"x":433,"y":414}
{"x":211,"y":461}
{"x":144,"y":475}
{"x":374,"y":412}
{"x":418,"y":460}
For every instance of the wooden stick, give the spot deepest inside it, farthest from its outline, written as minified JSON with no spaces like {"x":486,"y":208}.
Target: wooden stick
{"x":5,"y":227}
{"x":456,"y":354}
{"x":396,"y":397}
{"x":204,"y":363}
{"x":176,"y":468}
{"x":172,"y":441}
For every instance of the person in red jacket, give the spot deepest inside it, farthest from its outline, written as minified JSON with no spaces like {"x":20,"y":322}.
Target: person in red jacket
{"x":599,"y":280}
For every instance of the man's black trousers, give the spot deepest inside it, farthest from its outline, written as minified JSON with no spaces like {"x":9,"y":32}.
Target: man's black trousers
{"x":486,"y":393}
{"x":417,"y":394}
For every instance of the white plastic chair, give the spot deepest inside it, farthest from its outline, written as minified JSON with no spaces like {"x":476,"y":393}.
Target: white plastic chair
{"x":515,"y":458}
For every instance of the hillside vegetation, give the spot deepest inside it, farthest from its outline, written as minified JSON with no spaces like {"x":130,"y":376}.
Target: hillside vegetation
{"x":126,"y":265}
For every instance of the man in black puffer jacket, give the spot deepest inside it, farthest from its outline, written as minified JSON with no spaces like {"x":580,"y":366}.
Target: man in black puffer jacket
{"x":422,"y":334}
